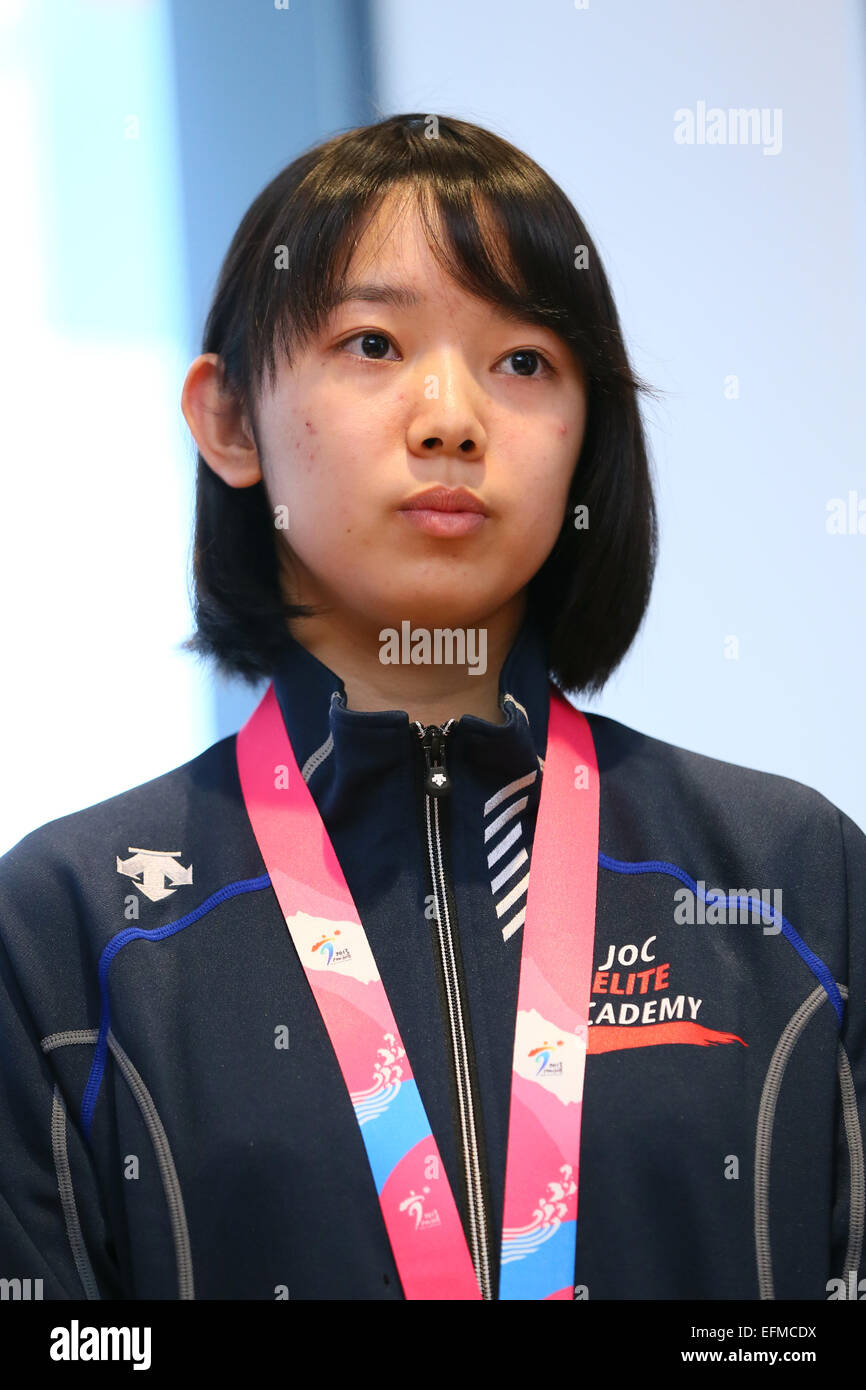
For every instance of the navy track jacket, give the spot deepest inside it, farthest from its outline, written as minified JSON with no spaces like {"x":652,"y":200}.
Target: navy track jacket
{"x":173,"y":1121}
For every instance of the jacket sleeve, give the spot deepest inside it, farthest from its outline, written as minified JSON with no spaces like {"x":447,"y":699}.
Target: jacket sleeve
{"x":53,"y":1230}
{"x":849,"y":1215}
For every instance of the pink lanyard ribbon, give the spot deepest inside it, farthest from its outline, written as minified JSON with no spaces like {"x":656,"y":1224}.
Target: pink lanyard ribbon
{"x":550,"y":1036}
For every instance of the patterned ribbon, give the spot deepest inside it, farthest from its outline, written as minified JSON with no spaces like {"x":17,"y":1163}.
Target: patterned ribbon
{"x":550,"y":1036}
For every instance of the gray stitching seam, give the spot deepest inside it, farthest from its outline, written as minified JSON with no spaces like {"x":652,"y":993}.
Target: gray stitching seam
{"x":67,"y":1198}
{"x":71,"y":1037}
{"x":167,"y":1170}
{"x":764,"y":1135}
{"x":319,"y":756}
{"x":161,"y":1147}
{"x":857,"y":1206}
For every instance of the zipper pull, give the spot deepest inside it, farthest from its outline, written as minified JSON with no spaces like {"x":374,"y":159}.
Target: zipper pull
{"x":437,"y":782}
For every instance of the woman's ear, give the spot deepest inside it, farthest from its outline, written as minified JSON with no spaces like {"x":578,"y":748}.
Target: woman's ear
{"x":218,"y":425}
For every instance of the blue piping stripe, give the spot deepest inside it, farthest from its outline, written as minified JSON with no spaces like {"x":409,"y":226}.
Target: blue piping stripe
{"x":97,"y":1069}
{"x":815,"y":964}
{"x":252,"y":885}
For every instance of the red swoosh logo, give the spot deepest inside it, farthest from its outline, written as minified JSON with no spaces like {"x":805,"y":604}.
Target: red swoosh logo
{"x":611,"y":1037}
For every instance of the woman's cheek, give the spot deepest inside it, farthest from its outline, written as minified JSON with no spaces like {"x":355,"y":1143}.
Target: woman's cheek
{"x":543,"y":508}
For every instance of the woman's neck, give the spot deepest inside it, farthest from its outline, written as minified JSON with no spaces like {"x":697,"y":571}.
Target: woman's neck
{"x":431,"y":692}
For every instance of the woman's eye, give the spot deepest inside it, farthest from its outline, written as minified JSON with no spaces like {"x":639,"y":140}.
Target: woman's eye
{"x":373,"y":345}
{"x":526,"y":360}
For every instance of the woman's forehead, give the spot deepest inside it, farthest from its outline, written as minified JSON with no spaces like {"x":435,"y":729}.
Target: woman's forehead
{"x":393,"y":262}
{"x":393,"y":234}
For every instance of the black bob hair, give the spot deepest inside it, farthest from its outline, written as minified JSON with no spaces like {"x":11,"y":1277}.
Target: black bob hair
{"x":591,"y":594}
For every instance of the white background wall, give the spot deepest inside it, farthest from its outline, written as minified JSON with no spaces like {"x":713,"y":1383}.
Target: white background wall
{"x":96,"y":483}
{"x":723,"y":261}
{"x":133,"y":136}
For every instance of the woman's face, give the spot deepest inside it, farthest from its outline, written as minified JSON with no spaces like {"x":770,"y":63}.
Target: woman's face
{"x":393,"y":398}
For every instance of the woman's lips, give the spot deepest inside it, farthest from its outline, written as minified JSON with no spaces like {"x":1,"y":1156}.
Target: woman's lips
{"x":439,"y":523}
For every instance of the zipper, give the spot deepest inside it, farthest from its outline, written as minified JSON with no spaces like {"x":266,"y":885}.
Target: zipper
{"x":437,"y":790}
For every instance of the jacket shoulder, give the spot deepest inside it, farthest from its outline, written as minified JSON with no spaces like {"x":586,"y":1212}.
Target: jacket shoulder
{"x":155,"y":811}
{"x":677,"y":786}
{"x":167,"y":847}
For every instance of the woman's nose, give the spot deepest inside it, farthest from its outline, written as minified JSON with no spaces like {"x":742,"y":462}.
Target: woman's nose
{"x":446,"y":420}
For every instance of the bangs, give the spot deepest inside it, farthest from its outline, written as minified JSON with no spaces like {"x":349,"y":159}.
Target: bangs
{"x":496,"y":224}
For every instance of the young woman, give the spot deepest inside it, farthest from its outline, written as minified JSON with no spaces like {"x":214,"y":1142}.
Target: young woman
{"x":426,"y":984}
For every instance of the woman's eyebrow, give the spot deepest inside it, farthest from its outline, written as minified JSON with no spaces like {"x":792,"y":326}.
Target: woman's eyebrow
{"x":404,"y":297}
{"x":400,"y":296}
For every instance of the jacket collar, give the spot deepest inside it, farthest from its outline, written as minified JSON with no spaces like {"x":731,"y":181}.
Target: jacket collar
{"x":351,"y":745}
